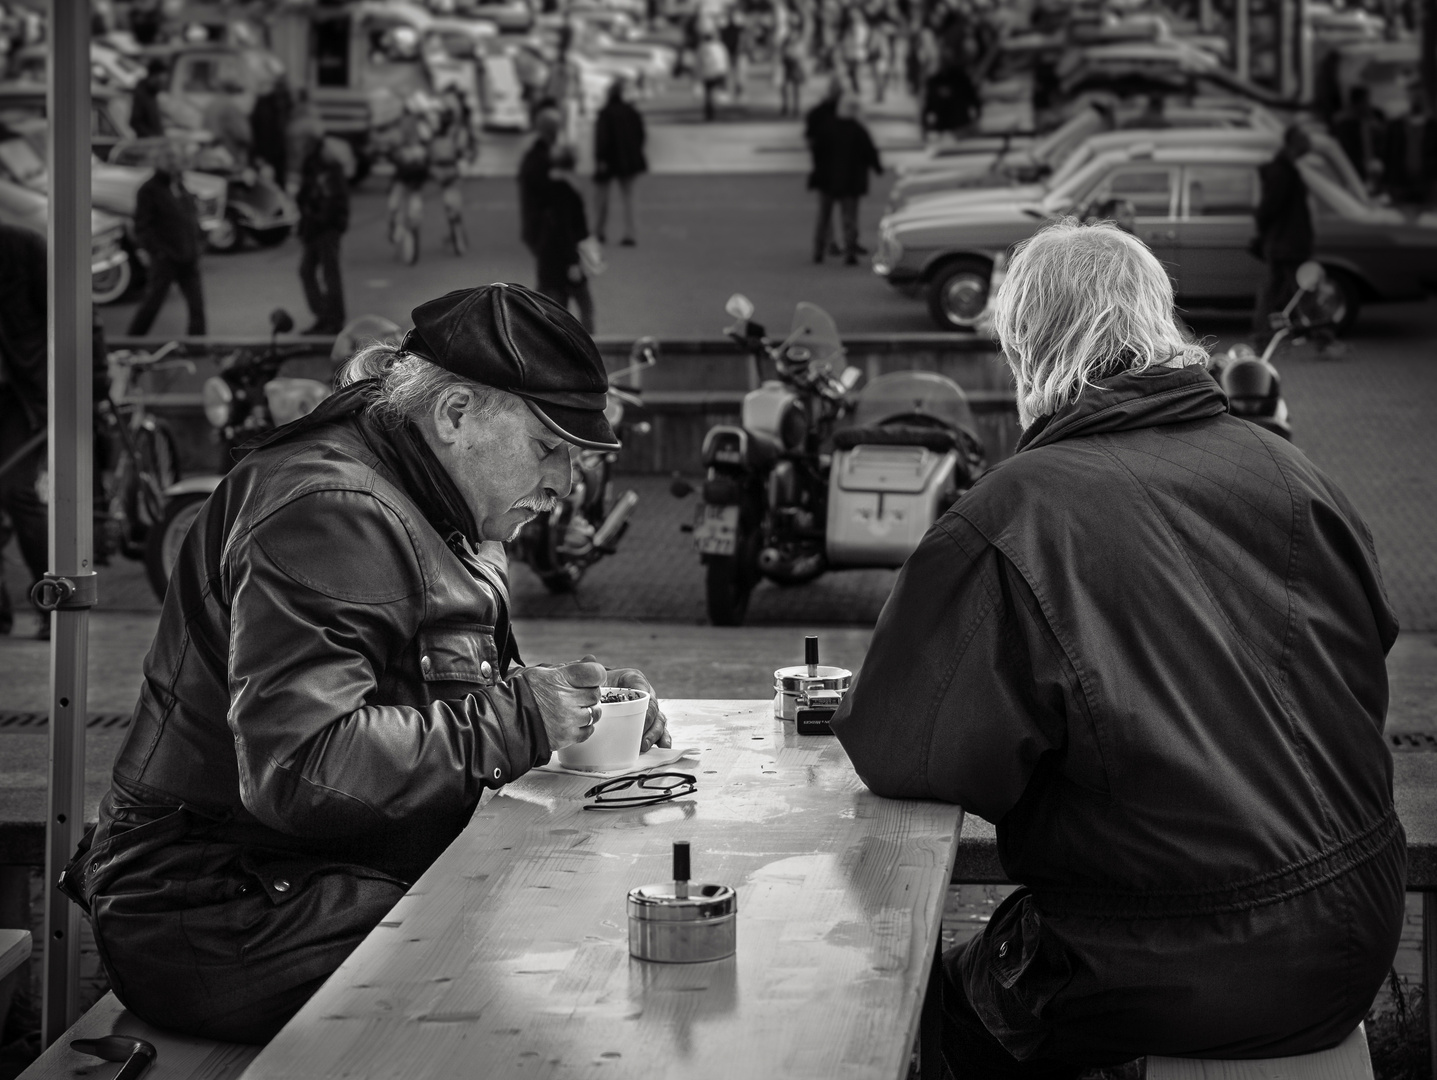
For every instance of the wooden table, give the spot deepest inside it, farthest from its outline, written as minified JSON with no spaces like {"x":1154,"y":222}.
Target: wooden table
{"x":509,"y":957}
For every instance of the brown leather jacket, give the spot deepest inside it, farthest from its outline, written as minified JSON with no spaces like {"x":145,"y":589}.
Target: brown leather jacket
{"x":329,"y":675}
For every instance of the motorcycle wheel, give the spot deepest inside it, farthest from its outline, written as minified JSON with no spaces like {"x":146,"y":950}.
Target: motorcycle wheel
{"x":557,"y":575}
{"x":162,"y":544}
{"x":408,"y":246}
{"x":726,"y":590}
{"x":271,"y":237}
{"x":109,"y":285}
{"x":459,"y":238}
{"x":1346,"y":299}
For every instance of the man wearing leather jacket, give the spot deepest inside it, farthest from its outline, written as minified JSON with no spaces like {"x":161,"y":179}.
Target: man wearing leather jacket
{"x":1149,"y":647}
{"x":334,"y":681}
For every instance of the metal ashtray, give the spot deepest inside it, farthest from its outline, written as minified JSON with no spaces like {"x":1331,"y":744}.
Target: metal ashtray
{"x":676,"y":922}
{"x":792,"y":685}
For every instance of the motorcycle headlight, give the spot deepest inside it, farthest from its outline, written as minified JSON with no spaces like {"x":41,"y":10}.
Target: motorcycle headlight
{"x":219,"y":401}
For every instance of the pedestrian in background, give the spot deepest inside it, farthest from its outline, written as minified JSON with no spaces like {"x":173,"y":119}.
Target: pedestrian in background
{"x":534,"y":174}
{"x":1284,"y":230}
{"x":323,"y":220}
{"x":815,"y":127}
{"x":713,"y":70}
{"x":731,"y":33}
{"x":167,"y":229}
{"x":619,"y":138}
{"x":1360,"y":129}
{"x":269,"y":122}
{"x":792,"y":72}
{"x":849,"y":155}
{"x":563,"y":229}
{"x":1410,"y":153}
{"x":145,"y":118}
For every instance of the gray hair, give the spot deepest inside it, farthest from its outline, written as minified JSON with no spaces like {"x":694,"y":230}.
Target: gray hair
{"x":411,"y":386}
{"x":1082,"y":302}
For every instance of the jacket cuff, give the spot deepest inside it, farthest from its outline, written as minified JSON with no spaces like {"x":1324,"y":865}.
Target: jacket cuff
{"x":532,"y":718}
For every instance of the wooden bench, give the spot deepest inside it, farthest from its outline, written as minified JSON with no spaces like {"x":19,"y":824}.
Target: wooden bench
{"x":1347,"y":1061}
{"x":177,"y":1057}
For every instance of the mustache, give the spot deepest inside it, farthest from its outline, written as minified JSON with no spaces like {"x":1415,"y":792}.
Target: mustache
{"x":540,"y":504}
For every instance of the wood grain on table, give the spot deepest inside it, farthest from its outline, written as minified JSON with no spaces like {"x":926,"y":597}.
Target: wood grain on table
{"x":509,"y":957}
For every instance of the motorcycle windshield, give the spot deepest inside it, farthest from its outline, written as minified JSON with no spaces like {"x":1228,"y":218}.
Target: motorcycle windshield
{"x":814,"y":329}
{"x":913,"y":396}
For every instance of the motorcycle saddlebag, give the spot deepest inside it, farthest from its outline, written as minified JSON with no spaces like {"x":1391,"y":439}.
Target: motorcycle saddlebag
{"x":882,"y":498}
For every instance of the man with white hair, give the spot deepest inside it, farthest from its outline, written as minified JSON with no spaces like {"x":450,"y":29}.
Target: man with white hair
{"x":1149,"y":648}
{"x":332,"y":685}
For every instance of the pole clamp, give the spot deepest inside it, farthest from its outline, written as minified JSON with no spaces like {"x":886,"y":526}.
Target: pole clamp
{"x":78,"y":592}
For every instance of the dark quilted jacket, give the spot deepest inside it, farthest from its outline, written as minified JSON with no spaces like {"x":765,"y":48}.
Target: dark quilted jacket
{"x":1150,"y":648}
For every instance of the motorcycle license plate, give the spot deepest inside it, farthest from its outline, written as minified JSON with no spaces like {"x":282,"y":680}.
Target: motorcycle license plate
{"x":716,"y":529}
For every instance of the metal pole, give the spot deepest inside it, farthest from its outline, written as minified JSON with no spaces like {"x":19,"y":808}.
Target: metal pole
{"x":1429,"y":972}
{"x":1286,"y":50}
{"x":1242,"y":46}
{"x":69,"y":587}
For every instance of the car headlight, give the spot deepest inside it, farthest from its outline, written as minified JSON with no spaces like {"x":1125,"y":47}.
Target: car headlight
{"x":219,"y":401}
{"x":888,"y":253}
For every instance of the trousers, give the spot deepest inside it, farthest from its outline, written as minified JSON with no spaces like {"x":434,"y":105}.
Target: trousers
{"x":320,"y":276}
{"x":848,"y":213}
{"x":164,"y":273}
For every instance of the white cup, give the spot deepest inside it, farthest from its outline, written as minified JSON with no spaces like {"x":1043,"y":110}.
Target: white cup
{"x":618,"y":733}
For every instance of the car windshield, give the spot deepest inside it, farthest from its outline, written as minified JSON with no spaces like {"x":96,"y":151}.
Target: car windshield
{"x":1052,"y":150}
{"x":20,"y":160}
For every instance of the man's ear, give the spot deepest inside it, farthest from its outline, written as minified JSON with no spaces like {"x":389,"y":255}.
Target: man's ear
{"x":449,"y":414}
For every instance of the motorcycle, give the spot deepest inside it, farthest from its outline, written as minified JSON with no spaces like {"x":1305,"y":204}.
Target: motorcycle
{"x":1251,"y":382}
{"x":561,"y":545}
{"x":246,"y":398}
{"x":816,"y":477}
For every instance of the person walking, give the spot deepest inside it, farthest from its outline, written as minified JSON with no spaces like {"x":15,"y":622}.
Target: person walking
{"x":451,"y":144}
{"x":792,"y":70}
{"x":534,"y":174}
{"x":1284,"y":230}
{"x":849,"y":156}
{"x":145,"y":118}
{"x":167,"y":229}
{"x":563,"y":230}
{"x":713,"y":70}
{"x":619,"y":137}
{"x":324,"y":218}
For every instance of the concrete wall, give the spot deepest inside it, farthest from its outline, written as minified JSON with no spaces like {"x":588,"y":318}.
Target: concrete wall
{"x":696,"y":384}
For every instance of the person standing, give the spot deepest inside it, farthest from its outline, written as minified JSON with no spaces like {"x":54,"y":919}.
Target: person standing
{"x":167,"y":229}
{"x":849,"y":156}
{"x":562,"y":231}
{"x":619,"y":138}
{"x":713,"y":70}
{"x":1410,"y":153}
{"x":145,"y":118}
{"x":1284,"y":230}
{"x":534,"y":174}
{"x":815,"y":127}
{"x":269,"y":122}
{"x":323,"y":220}
{"x":1360,"y":129}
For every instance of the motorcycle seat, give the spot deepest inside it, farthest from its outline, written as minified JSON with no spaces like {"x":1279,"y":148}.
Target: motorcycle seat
{"x":936,"y":439}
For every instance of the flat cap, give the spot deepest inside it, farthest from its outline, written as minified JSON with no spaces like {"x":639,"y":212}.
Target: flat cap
{"x":512,"y":338}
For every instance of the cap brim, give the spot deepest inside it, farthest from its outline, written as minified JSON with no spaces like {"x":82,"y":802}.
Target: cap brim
{"x":582,"y":427}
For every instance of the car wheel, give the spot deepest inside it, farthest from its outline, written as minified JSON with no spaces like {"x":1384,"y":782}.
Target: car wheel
{"x":162,"y":543}
{"x":958,"y":294}
{"x":1345,"y":299}
{"x":271,"y":237}
{"x":224,"y":237}
{"x":109,"y":285}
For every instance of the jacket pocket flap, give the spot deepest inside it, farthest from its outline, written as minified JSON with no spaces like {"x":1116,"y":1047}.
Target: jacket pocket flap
{"x":458,"y":654}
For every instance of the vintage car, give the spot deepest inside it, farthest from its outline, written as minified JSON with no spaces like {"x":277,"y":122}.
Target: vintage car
{"x":113,"y":188}
{"x":1008,"y":166}
{"x":110,"y":68}
{"x":111,"y":274}
{"x":511,"y":16}
{"x":21,"y":103}
{"x":1192,"y":205}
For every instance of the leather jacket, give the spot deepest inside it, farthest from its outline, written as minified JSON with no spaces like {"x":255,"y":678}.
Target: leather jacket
{"x":329,"y":674}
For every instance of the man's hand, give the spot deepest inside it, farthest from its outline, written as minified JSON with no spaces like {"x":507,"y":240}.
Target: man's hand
{"x":565,"y":694}
{"x":656,"y":725}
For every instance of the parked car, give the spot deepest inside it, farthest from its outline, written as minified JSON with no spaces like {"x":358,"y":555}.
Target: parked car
{"x":511,"y":16}
{"x":113,"y":188}
{"x":109,"y":67}
{"x":110,"y":271}
{"x":1192,"y":205}
{"x":197,"y":74}
{"x":1006,"y":167}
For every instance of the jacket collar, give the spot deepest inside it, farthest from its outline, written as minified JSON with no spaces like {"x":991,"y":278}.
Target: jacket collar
{"x":1130,"y":400}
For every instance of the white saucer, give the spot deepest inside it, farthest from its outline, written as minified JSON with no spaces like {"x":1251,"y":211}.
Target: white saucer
{"x":655,"y":757}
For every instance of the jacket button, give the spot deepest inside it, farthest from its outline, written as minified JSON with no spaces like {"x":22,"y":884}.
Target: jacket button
{"x":425,"y":664}
{"x":1002,"y":949}
{"x":486,"y":669}
{"x":497,"y":774}
{"x":282,"y":885}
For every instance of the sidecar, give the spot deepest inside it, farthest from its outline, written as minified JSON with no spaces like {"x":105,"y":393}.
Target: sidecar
{"x":909,"y":450}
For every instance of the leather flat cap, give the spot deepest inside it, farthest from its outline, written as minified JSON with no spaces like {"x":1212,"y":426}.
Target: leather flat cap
{"x":515,"y":339}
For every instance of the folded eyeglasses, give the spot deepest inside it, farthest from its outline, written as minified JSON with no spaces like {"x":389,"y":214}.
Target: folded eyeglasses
{"x":644,"y":789}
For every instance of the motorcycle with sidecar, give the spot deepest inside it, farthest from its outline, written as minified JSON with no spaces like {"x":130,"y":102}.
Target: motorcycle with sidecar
{"x":818,"y":477}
